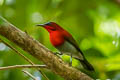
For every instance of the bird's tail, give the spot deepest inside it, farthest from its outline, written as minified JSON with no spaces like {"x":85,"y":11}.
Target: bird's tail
{"x":86,"y":64}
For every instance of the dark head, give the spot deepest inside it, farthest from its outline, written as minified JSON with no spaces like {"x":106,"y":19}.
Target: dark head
{"x":51,"y":26}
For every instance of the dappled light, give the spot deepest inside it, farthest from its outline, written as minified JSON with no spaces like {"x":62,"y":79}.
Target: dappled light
{"x":2,"y":46}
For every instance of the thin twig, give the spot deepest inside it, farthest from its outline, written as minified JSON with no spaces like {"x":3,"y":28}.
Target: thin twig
{"x":30,"y":75}
{"x":22,"y":66}
{"x":27,"y":59}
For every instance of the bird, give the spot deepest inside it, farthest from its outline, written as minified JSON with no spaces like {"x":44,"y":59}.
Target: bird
{"x":63,"y":41}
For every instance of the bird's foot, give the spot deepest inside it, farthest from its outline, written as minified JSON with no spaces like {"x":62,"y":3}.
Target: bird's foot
{"x":70,"y":64}
{"x":59,"y":53}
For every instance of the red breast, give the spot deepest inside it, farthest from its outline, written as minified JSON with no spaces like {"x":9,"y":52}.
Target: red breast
{"x":56,"y":38}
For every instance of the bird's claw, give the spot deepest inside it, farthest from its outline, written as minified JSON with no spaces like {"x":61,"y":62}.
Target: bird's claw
{"x":57,"y":53}
{"x":70,"y":63}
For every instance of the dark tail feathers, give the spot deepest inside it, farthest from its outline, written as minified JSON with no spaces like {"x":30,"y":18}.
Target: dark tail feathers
{"x":86,"y":65}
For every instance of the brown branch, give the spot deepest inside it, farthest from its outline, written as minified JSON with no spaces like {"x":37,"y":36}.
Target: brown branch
{"x":27,"y":59}
{"x":22,"y":66}
{"x":37,"y":50}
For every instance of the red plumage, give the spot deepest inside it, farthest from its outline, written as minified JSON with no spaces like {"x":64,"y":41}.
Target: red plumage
{"x":56,"y":38}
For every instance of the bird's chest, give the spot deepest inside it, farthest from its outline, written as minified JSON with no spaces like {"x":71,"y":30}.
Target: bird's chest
{"x":56,"y":39}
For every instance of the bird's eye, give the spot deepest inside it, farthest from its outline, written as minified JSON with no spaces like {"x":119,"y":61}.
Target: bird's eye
{"x":48,"y":23}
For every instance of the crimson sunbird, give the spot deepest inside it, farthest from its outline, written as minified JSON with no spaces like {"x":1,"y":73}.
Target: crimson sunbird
{"x":65,"y":43}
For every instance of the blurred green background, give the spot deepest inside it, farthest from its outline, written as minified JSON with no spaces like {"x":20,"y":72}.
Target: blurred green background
{"x":95,"y":24}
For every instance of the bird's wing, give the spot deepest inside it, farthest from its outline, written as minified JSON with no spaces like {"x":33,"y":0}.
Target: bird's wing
{"x":70,"y":39}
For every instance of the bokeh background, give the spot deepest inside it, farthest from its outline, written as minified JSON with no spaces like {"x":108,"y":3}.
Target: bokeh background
{"x":95,"y":24}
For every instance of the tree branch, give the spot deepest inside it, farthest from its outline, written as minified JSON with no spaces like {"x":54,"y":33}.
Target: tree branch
{"x":30,"y":75}
{"x":27,"y":59}
{"x":37,"y":50}
{"x":23,"y":66}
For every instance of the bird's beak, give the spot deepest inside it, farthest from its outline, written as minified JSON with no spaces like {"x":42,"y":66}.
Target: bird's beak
{"x":42,"y":25}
